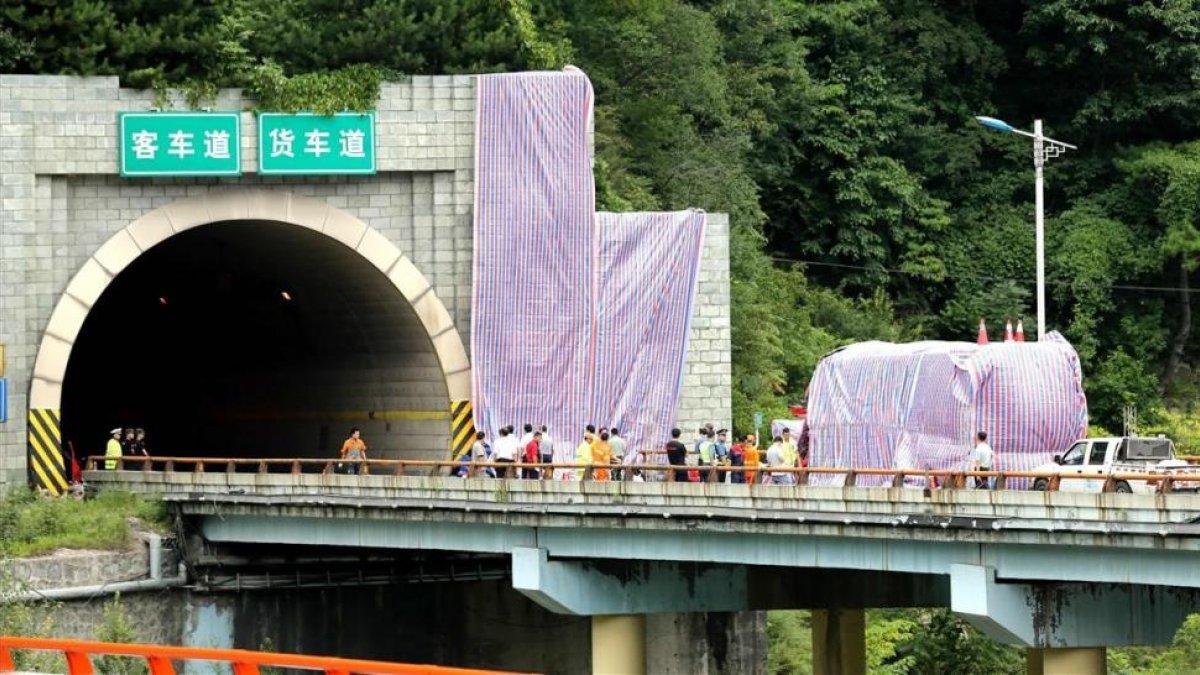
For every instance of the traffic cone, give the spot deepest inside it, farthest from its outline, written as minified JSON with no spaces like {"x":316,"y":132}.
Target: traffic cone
{"x":1020,"y":331}
{"x":1008,"y":334}
{"x":981,"y":339}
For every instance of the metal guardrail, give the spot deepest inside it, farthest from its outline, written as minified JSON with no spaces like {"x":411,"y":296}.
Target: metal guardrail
{"x":160,"y":659}
{"x":1163,"y":482}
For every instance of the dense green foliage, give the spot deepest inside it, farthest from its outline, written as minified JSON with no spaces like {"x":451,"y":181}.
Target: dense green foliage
{"x":33,"y":525}
{"x":838,"y":134}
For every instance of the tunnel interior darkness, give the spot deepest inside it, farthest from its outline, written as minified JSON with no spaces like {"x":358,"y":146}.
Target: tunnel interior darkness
{"x":255,"y":339}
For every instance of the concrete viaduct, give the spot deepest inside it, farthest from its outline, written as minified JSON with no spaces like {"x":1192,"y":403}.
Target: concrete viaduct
{"x":1063,"y":574}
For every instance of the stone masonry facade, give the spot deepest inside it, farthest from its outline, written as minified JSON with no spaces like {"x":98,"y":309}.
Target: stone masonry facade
{"x":61,"y":199}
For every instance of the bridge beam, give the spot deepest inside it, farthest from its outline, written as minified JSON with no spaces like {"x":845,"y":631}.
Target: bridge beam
{"x":590,"y":588}
{"x":1058,"y":615}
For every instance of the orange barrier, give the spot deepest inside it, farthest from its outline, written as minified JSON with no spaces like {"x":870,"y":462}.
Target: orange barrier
{"x":1163,"y":482}
{"x":79,"y":655}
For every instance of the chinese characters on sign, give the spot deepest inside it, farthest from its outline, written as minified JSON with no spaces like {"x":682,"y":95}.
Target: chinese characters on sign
{"x":180,"y":143}
{"x":306,"y":144}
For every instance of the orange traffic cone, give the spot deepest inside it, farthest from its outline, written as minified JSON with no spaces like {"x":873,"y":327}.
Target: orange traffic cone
{"x":1008,"y":334}
{"x":981,"y":339}
{"x":1020,"y":331}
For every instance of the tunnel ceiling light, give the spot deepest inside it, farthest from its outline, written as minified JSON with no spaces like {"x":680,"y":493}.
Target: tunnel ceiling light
{"x":287,"y":297}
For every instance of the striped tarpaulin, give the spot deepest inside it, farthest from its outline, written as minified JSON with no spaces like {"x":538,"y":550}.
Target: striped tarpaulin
{"x":534,"y":267}
{"x":578,"y":318}
{"x":648,"y":270}
{"x":919,"y":405}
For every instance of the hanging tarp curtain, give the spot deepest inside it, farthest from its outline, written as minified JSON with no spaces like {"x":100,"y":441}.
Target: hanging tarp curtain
{"x":577,"y":317}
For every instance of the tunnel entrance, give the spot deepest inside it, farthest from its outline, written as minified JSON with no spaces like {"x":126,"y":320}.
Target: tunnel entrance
{"x":253,"y":338}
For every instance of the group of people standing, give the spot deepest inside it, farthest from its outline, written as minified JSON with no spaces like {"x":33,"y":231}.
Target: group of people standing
{"x":534,"y":446}
{"x":744,"y":459}
{"x":127,"y":442}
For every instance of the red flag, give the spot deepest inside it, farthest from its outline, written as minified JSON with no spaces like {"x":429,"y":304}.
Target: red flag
{"x":981,"y":339}
{"x":1020,"y":331}
{"x":1008,"y":334}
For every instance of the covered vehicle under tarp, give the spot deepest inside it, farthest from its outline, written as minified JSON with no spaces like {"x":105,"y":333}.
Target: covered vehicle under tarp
{"x":919,"y":405}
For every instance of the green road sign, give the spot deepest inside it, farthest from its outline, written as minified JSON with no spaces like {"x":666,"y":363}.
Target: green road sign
{"x":180,"y":143}
{"x":758,"y":419}
{"x":307,"y":144}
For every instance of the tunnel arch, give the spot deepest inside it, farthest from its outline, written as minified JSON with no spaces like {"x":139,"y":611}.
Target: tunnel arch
{"x":304,"y":219}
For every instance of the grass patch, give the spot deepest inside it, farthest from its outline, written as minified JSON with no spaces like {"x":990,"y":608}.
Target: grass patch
{"x":33,"y":525}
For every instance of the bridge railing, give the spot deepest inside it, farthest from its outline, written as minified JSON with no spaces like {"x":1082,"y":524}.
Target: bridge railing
{"x":1162,"y":482}
{"x":160,"y":660}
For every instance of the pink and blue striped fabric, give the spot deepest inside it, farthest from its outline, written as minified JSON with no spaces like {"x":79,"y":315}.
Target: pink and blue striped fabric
{"x":919,"y":405}
{"x":648,"y":273}
{"x":578,"y":318}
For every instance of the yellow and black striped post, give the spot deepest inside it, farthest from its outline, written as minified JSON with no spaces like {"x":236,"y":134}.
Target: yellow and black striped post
{"x":46,"y":466}
{"x":462,"y":428}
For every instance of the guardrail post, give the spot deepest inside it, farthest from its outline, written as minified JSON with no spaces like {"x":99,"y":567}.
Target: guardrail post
{"x":78,"y":663}
{"x":801,"y":477}
{"x":6,"y":662}
{"x":1052,"y":484}
{"x":587,"y":472}
{"x":851,"y":478}
{"x":712,"y":475}
{"x":1110,"y":485}
{"x":230,"y":467}
{"x":1001,"y":483}
{"x":296,"y":467}
{"x":399,"y":468}
{"x":199,"y":467}
{"x":671,"y":475}
{"x":170,"y":465}
{"x":147,"y":464}
{"x":898,"y":480}
{"x":160,"y":665}
{"x":262,"y":466}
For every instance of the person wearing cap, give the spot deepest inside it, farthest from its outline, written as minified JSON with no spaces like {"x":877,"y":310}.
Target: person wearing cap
{"x":112,"y":451}
{"x":721,"y":454}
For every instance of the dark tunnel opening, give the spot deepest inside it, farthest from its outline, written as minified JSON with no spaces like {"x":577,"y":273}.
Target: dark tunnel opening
{"x":255,"y":339}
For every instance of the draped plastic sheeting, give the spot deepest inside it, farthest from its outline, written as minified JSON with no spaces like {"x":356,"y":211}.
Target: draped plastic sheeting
{"x":578,"y":318}
{"x":648,"y":269}
{"x":919,"y":405}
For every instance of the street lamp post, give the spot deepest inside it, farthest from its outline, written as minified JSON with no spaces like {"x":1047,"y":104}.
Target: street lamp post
{"x":1043,"y":149}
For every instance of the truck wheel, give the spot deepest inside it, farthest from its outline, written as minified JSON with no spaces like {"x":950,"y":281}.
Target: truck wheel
{"x":1123,"y":488}
{"x":1041,"y":484}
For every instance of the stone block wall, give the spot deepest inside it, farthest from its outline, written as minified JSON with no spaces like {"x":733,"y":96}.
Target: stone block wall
{"x":61,"y":198}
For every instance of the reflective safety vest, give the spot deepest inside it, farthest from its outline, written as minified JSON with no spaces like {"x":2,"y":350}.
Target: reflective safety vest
{"x":706,"y":452}
{"x":113,"y":449}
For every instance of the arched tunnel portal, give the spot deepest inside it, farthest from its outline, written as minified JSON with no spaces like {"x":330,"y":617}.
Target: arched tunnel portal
{"x":257,"y":338}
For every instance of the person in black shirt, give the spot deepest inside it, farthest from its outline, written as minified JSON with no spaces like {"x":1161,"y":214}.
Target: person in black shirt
{"x":677,"y":456}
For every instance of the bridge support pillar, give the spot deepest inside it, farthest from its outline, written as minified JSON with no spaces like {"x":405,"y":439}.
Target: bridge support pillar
{"x":839,"y":642}
{"x":619,"y":645}
{"x":1066,"y":661}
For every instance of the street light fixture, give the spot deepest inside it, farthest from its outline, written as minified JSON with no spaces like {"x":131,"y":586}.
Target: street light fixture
{"x":1043,"y":149}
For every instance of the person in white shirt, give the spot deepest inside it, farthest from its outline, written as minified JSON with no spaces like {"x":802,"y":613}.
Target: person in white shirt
{"x":546,"y":449}
{"x":505,"y":451}
{"x":777,"y":456}
{"x":527,"y":437}
{"x":981,"y":459}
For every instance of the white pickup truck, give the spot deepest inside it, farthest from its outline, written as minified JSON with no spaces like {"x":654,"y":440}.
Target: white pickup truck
{"x":1115,"y":456}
